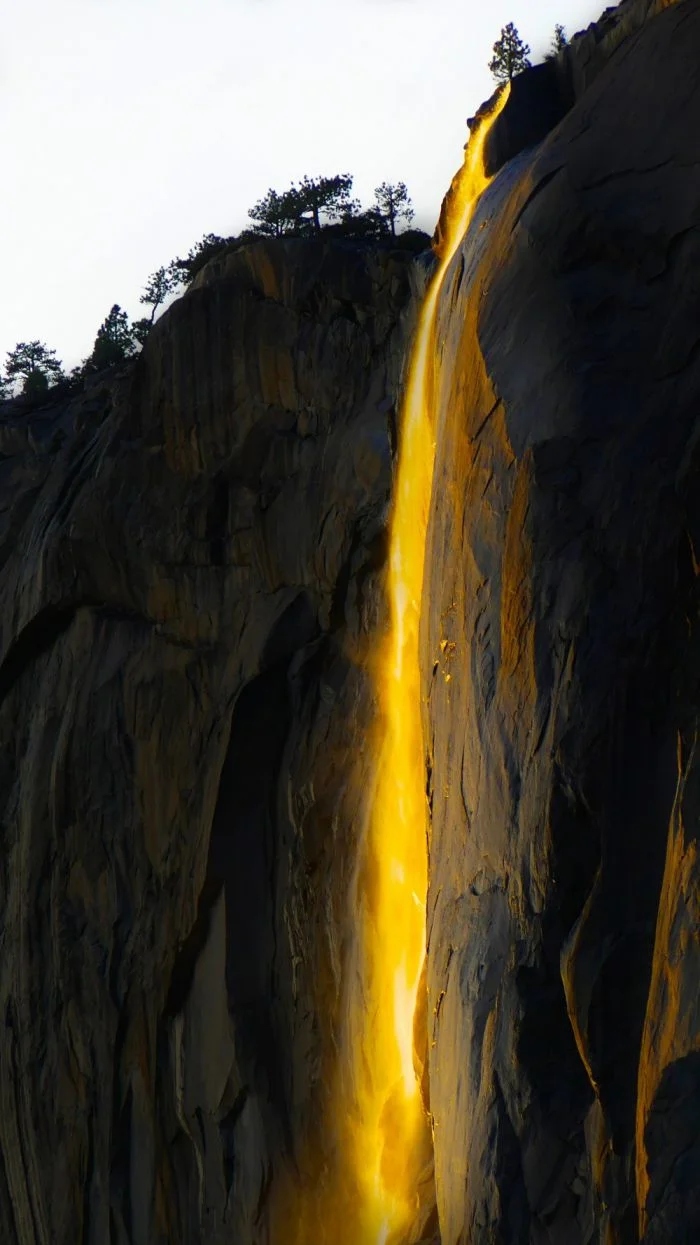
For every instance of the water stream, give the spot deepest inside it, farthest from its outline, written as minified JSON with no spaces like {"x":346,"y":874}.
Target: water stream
{"x":382,"y":1133}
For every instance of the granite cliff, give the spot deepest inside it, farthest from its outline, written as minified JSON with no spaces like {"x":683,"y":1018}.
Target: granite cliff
{"x":192,"y":558}
{"x":189,"y":590}
{"x":563,"y":917}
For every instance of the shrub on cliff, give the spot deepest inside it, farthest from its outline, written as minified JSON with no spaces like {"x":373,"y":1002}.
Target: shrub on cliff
{"x":140,"y":330}
{"x":185,"y":270}
{"x":510,"y":55}
{"x":369,"y":224}
{"x":415,"y":241}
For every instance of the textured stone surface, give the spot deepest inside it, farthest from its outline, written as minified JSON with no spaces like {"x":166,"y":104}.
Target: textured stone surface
{"x":561,"y":650}
{"x":190,"y":557}
{"x":541,"y":97}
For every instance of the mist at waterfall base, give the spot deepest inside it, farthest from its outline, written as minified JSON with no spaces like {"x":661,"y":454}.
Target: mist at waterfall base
{"x":381,"y":1191}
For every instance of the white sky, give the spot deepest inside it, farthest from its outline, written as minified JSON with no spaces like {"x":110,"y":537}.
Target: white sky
{"x":129,"y":128}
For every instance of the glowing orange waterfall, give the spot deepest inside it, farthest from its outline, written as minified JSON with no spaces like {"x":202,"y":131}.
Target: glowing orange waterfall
{"x":391,"y":1116}
{"x":381,"y":1130}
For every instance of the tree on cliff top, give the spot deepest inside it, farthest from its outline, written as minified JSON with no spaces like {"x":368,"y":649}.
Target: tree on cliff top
{"x":35,"y":365}
{"x":304,"y":208}
{"x":160,"y":284}
{"x":275,"y":214}
{"x":559,"y":41}
{"x":324,"y":196}
{"x":185,"y":270}
{"x":114,"y":342}
{"x":393,"y":203}
{"x":510,"y":55}
{"x":140,"y":330}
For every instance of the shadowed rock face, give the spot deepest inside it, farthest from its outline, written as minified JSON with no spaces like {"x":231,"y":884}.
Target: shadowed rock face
{"x":542,"y":96}
{"x":192,"y":555}
{"x":561,"y":654}
{"x":190,"y":560}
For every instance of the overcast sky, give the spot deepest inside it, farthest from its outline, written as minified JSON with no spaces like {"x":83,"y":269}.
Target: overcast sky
{"x":129,"y":128}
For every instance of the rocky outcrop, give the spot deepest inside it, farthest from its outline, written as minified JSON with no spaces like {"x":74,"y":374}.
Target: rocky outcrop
{"x":561,"y":650}
{"x":542,"y":96}
{"x":190,"y":562}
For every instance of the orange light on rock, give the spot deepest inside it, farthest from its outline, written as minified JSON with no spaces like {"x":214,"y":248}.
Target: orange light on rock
{"x":382,"y":1135}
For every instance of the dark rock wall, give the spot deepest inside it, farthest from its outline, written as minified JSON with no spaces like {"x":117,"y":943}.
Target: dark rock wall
{"x":542,"y":96}
{"x":561,"y":658}
{"x":192,"y":556}
{"x":190,"y":564}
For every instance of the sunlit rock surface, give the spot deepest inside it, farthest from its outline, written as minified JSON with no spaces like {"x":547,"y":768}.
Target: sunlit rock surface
{"x":190,"y":561}
{"x":561,"y":660}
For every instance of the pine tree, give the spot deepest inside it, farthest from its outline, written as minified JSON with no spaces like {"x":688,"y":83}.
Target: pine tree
{"x":393,"y":203}
{"x":305,"y":208}
{"x":275,"y":214}
{"x":35,"y":365}
{"x":114,"y":342}
{"x":140,"y":330}
{"x":357,"y":224}
{"x":160,"y":284}
{"x":510,"y":55}
{"x":559,"y":40}
{"x":323,"y":197}
{"x":185,"y":270}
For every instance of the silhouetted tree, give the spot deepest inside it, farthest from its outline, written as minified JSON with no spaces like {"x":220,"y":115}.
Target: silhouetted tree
{"x":510,"y":55}
{"x":79,"y":374}
{"x":275,"y":214}
{"x":392,"y":203}
{"x":35,"y":365}
{"x":559,"y":41}
{"x":159,"y":286}
{"x":368,"y":224}
{"x":114,"y":342}
{"x":185,"y":270}
{"x":140,"y":330}
{"x":323,"y":197}
{"x":5,"y":387}
{"x":413,"y":240}
{"x":304,"y":208}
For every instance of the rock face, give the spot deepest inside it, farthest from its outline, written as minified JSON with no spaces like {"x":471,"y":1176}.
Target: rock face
{"x":561,"y":655}
{"x":190,"y":561}
{"x":191,"y":591}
